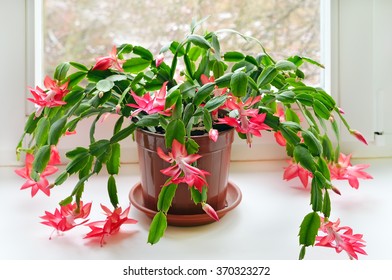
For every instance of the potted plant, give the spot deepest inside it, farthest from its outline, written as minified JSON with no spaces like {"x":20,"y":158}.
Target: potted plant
{"x":191,"y":89}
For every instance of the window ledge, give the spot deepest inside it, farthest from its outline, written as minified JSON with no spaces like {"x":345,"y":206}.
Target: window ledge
{"x":264,"y":225}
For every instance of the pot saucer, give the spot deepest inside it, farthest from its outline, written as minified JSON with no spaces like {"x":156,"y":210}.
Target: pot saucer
{"x":233,"y":198}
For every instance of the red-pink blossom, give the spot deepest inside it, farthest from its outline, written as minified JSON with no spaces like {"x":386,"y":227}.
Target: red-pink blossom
{"x":296,"y":170}
{"x":70,"y":132}
{"x":182,"y":171}
{"x":280,"y":139}
{"x":151,"y":103}
{"x":111,"y":225}
{"x":210,"y":211}
{"x":42,"y":184}
{"x":52,"y":96}
{"x":280,"y":113}
{"x":358,"y":135}
{"x":341,"y":238}
{"x":282,"y":118}
{"x":105,"y":62}
{"x":63,"y":219}
{"x":54,"y":156}
{"x":205,"y":79}
{"x":344,"y":170}
{"x":213,"y":134}
{"x":216,"y":92}
{"x":247,"y":120}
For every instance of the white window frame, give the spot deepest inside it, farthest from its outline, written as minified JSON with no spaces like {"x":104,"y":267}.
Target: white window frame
{"x":12,"y":77}
{"x":358,"y":70}
{"x":344,"y":22}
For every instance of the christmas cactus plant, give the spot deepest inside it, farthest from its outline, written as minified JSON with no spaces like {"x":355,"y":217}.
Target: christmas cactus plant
{"x":192,"y":85}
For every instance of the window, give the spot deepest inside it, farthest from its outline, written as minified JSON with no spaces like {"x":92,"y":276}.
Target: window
{"x":84,"y":29}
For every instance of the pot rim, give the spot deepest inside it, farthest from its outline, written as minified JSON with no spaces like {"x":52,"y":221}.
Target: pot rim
{"x":162,"y":135}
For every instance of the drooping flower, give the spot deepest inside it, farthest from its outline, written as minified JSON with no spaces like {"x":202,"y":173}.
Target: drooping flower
{"x":42,"y":184}
{"x":111,"y":225}
{"x":344,"y":170}
{"x":63,"y":219}
{"x":54,"y":156}
{"x":341,"y":238}
{"x":182,"y":171}
{"x":280,"y":113}
{"x":280,"y":139}
{"x":151,"y":103}
{"x":296,"y":170}
{"x":210,"y":211}
{"x":247,"y":120}
{"x":105,"y":62}
{"x":70,"y":132}
{"x":51,"y":97}
{"x":205,"y":80}
{"x":216,"y":92}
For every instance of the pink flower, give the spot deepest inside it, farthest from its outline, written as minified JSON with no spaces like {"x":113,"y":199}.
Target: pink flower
{"x":280,"y":113}
{"x":341,"y":238}
{"x":217,"y":92}
{"x":213,"y":134}
{"x":358,"y":135}
{"x":282,"y":118}
{"x":280,"y":139}
{"x":42,"y":184}
{"x":247,"y":120}
{"x":295,"y":170}
{"x":160,"y":58}
{"x":111,"y":225}
{"x":210,"y":211}
{"x":151,"y":103}
{"x":205,"y":80}
{"x":105,"y":62}
{"x":343,"y":170}
{"x":63,"y":219}
{"x":54,"y":156}
{"x":182,"y":171}
{"x":70,"y":132}
{"x":51,"y":97}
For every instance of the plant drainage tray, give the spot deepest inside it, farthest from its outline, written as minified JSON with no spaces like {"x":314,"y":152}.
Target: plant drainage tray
{"x":233,"y":198}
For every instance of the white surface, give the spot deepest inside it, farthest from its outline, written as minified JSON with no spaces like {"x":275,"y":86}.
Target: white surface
{"x":264,"y":225}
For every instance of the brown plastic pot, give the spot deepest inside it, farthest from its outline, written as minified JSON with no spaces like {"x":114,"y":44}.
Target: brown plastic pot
{"x":215,"y":160}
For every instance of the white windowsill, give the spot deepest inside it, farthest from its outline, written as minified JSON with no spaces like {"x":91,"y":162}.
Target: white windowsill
{"x":264,"y":225}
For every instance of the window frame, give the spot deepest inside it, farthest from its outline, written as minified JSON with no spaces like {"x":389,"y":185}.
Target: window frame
{"x":12,"y":78}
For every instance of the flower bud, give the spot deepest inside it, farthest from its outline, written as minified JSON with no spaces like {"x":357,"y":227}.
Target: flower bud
{"x":118,"y":108}
{"x":213,"y":134}
{"x":158,"y":61}
{"x":210,"y":211}
{"x":100,"y":94}
{"x":358,"y":135}
{"x":336,"y":190}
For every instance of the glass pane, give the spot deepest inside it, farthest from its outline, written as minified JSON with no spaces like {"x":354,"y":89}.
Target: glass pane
{"x":80,"y":30}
